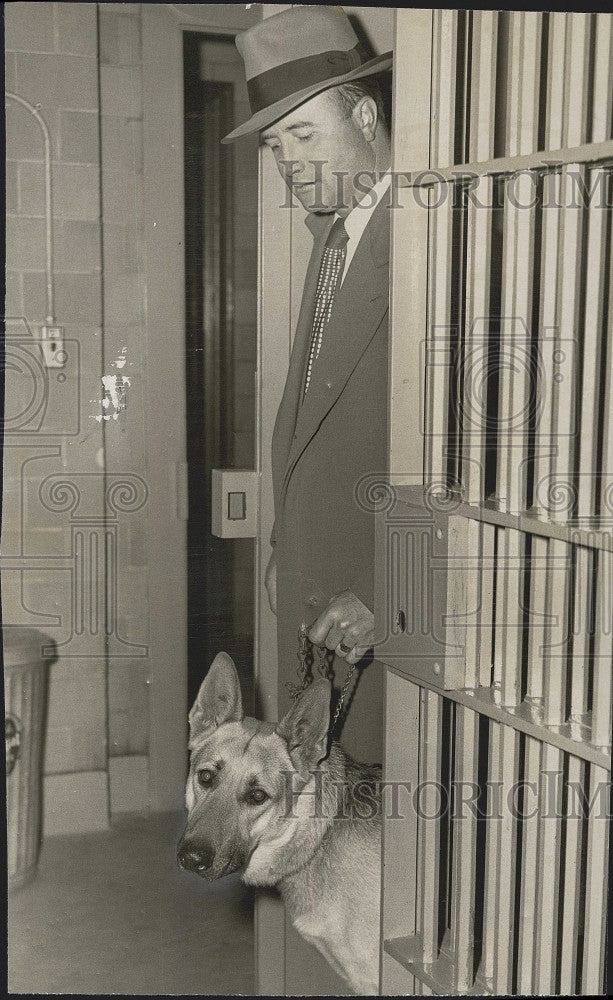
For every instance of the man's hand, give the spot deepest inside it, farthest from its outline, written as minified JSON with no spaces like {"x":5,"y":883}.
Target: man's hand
{"x":270,"y":582}
{"x":346,"y":626}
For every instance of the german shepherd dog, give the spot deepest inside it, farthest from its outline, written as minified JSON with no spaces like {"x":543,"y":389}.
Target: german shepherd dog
{"x":274,"y":802}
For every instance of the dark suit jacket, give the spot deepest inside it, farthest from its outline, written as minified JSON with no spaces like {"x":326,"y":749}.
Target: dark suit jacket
{"x":323,"y":450}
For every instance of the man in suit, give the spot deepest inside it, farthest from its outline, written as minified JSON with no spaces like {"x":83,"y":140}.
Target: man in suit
{"x":318,"y":108}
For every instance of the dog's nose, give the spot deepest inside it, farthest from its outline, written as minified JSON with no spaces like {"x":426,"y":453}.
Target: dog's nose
{"x":195,"y":859}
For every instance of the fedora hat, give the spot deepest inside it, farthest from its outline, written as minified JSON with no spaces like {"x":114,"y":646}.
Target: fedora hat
{"x":296,"y":54}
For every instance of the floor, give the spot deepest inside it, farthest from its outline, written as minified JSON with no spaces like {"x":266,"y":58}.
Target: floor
{"x":112,"y":913}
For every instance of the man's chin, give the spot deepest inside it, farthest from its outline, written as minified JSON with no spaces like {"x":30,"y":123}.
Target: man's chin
{"x":311,"y":202}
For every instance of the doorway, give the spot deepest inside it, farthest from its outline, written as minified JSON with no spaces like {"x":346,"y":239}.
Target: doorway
{"x":220,"y":349}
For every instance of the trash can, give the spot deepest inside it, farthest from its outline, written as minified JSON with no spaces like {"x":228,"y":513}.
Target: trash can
{"x":25,"y":688}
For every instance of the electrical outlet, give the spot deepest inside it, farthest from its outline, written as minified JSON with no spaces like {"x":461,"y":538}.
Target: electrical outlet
{"x":52,"y":344}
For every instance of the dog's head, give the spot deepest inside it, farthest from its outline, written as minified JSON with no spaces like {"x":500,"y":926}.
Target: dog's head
{"x":237,"y":788}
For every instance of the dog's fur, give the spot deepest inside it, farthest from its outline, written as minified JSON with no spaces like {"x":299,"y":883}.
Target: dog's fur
{"x":324,"y":858}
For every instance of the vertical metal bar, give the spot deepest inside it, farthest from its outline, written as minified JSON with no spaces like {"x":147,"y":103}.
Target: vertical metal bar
{"x":507,"y":859}
{"x":596,"y":884}
{"x":464,"y":841}
{"x":529,"y":862}
{"x":428,"y":828}
{"x":576,"y":79}
{"x":478,"y":262}
{"x":570,"y":905}
{"x":606,"y":489}
{"x":477,"y":326}
{"x":442,"y":143}
{"x":524,"y":81}
{"x":518,"y":259}
{"x":548,"y":870}
{"x":594,"y":343}
{"x":581,"y":637}
{"x":492,"y":854}
{"x":603,"y":652}
{"x":509,"y":617}
{"x":474,"y":609}
{"x":602,"y":100}
{"x":444,"y":87}
{"x":488,"y":539}
{"x":556,"y":76}
{"x":439,"y":338}
{"x":399,"y":855}
{"x":556,"y":633}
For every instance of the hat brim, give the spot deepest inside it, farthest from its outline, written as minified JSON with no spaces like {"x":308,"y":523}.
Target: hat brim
{"x":279,"y":109}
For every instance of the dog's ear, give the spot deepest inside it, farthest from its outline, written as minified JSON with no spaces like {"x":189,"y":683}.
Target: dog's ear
{"x":219,"y":698}
{"x":305,"y":727}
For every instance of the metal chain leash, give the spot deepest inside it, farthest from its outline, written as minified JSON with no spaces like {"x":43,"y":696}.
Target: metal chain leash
{"x":305,"y":669}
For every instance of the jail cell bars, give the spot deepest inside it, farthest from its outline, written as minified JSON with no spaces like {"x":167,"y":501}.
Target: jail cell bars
{"x":514,"y":764}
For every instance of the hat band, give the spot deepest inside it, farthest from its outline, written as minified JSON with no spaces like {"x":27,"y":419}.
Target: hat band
{"x":289,"y":78}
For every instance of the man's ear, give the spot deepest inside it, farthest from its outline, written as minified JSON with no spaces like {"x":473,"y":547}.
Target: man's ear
{"x":305,"y":727}
{"x":365,"y":115}
{"x":219,"y":699}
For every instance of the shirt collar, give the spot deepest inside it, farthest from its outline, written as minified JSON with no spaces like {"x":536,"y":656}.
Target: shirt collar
{"x":359,"y":216}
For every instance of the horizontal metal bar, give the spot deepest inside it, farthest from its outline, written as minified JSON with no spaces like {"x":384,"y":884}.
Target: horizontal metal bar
{"x":438,"y":976}
{"x":524,"y":718}
{"x":547,"y":160}
{"x":593,"y":533}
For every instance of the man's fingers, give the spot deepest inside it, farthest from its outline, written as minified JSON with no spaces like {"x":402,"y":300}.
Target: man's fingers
{"x":318,"y":632}
{"x":335,"y":635}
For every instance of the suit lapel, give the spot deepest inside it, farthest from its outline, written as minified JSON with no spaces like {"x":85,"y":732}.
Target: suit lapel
{"x":359,"y":307}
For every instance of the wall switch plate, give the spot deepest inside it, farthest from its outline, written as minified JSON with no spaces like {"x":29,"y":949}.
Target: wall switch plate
{"x":52,"y":344}
{"x":235,"y":494}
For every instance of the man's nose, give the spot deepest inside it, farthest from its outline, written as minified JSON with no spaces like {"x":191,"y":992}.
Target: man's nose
{"x":290,"y":167}
{"x":195,"y":858}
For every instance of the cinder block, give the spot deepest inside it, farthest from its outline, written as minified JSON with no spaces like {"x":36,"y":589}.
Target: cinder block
{"x":12,"y":198}
{"x":79,"y":139}
{"x":122,"y":199}
{"x":121,"y":251}
{"x":77,"y":30}
{"x":123,"y":298}
{"x":24,"y":139}
{"x":25,"y":243}
{"x":10,"y":75}
{"x":34,"y":296}
{"x":29,"y":26}
{"x":31,"y":179}
{"x":120,"y":43}
{"x":121,"y":91}
{"x":58,"y":81}
{"x":122,"y":145}
{"x":78,"y":298}
{"x":13,"y":303}
{"x":129,"y":784}
{"x":76,"y":191}
{"x":77,"y":246}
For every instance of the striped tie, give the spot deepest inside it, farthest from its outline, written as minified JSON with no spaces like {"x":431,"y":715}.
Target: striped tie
{"x":330,"y":269}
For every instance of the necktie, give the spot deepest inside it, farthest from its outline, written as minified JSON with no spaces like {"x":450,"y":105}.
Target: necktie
{"x":330,"y":269}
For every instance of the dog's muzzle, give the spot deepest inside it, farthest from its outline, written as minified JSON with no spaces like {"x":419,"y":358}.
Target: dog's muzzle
{"x":195,"y":859}
{"x":203,"y":860}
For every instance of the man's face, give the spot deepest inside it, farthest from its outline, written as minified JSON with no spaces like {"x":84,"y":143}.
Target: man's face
{"x":320,"y":153}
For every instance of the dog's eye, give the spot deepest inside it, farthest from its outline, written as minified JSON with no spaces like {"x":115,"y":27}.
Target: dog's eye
{"x":257,"y":796}
{"x":205,"y":777}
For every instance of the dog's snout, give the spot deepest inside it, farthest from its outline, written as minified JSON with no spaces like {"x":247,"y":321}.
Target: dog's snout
{"x":195,"y":859}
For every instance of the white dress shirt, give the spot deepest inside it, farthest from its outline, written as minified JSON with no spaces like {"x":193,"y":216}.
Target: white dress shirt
{"x":359,"y":217}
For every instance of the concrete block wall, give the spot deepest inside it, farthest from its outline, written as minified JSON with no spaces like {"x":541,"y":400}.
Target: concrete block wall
{"x":52,"y":63}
